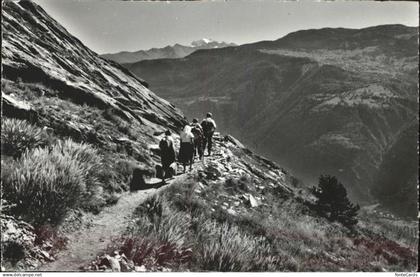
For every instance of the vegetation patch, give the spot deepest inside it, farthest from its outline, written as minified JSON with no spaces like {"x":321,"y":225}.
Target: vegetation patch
{"x":332,"y":201}
{"x":19,"y":135}
{"x":45,"y":183}
{"x":287,"y":236}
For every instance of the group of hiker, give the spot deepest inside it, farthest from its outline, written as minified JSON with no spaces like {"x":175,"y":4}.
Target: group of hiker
{"x":194,"y":139}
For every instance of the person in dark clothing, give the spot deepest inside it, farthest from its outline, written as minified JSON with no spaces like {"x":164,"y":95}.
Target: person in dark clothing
{"x":209,"y":126}
{"x":197,"y":131}
{"x":167,"y":153}
{"x":186,"y":150}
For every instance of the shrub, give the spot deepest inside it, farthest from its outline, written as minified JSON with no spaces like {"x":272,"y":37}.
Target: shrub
{"x":84,"y":154}
{"x":151,"y":207}
{"x":18,"y":135}
{"x":124,"y":170}
{"x":100,"y":176}
{"x":226,"y":248}
{"x":159,"y":236}
{"x":183,"y":198}
{"x":151,"y":253}
{"x":159,"y":220}
{"x":47,"y":182}
{"x":333,"y":203}
{"x":12,"y":252}
{"x":173,"y":228}
{"x":44,"y":185}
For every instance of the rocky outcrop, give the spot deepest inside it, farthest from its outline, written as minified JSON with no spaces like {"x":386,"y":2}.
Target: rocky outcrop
{"x":20,"y":248}
{"x":37,"y":49}
{"x":17,"y":109}
{"x":51,"y":79}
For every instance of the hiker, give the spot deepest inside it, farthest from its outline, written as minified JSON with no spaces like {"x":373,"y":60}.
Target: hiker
{"x":209,"y":126}
{"x":167,"y":153}
{"x":186,"y":150}
{"x":197,"y":131}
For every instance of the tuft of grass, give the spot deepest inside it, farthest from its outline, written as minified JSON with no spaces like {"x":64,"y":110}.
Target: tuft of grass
{"x":19,"y":135}
{"x":171,"y":219}
{"x":150,"y":252}
{"x":45,"y":183}
{"x":158,"y":237}
{"x":227,"y":248}
{"x":157,"y":218}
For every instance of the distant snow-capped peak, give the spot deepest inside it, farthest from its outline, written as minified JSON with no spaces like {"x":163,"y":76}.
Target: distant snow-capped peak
{"x":201,"y":42}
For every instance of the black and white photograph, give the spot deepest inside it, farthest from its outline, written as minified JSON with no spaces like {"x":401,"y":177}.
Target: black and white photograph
{"x":209,"y":136}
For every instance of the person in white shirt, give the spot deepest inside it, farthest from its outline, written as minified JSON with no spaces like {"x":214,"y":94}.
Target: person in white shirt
{"x":186,"y":150}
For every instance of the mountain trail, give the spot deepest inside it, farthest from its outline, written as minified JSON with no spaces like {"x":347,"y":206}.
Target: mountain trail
{"x":87,"y":242}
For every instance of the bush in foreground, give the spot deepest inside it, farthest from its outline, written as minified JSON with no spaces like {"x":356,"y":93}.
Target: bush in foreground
{"x":226,"y":248}
{"x":18,"y":135}
{"x":203,"y":243}
{"x":45,"y":183}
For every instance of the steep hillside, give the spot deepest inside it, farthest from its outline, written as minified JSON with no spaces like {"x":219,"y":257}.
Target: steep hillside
{"x":168,"y":52}
{"x":46,"y":69}
{"x":317,"y":101}
{"x":397,"y":179}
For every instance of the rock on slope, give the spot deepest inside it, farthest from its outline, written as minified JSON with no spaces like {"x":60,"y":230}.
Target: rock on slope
{"x":316,"y":101}
{"x":51,"y":78}
{"x":168,"y":52}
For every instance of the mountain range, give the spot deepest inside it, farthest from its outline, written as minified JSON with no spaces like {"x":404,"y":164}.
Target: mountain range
{"x":328,"y":100}
{"x":169,"y":52}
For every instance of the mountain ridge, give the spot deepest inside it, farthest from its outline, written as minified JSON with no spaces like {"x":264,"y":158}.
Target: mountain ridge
{"x":171,"y":51}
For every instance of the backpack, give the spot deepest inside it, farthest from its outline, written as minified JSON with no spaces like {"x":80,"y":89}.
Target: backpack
{"x":167,"y":151}
{"x":197,"y":132}
{"x":164,"y":145}
{"x":208,"y":126}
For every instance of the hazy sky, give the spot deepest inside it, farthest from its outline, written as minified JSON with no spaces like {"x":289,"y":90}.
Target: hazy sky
{"x":112,"y":26}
